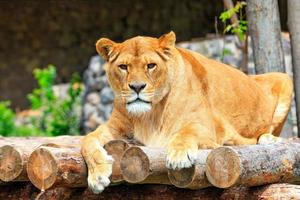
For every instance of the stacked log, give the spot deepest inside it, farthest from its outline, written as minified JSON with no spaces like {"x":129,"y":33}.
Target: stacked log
{"x":116,"y":148}
{"x":254,"y":165}
{"x":193,"y":177}
{"x":144,"y":165}
{"x":50,"y":166}
{"x":57,"y":168}
{"x":14,"y":153}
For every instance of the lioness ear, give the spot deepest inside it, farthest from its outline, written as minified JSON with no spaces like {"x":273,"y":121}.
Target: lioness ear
{"x":167,"y":39}
{"x":104,"y":48}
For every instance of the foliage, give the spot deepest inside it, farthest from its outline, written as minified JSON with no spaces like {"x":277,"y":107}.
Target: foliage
{"x":64,"y":118}
{"x":240,"y":27}
{"x":44,"y":94}
{"x":7,"y":117}
{"x":58,"y":116}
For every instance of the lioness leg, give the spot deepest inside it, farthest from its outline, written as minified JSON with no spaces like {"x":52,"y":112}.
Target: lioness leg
{"x":279,"y":87}
{"x":98,"y":161}
{"x":284,"y":91}
{"x":182,"y":148}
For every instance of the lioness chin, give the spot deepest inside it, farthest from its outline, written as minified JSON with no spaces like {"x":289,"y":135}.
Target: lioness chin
{"x":182,"y":101}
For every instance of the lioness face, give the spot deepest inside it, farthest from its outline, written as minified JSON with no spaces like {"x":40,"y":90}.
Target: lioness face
{"x":137,"y":71}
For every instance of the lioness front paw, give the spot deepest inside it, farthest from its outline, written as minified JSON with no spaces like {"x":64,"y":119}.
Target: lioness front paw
{"x":98,"y":175}
{"x":181,"y":158}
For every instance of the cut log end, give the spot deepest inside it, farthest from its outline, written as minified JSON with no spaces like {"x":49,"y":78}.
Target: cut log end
{"x":11,"y":163}
{"x":42,"y":168}
{"x":181,"y":178}
{"x":116,"y":148}
{"x":223,"y":167}
{"x":135,"y":165}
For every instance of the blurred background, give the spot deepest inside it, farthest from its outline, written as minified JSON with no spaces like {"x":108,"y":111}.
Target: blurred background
{"x":58,"y":37}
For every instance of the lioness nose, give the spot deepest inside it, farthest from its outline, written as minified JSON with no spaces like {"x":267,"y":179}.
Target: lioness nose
{"x":137,"y":87}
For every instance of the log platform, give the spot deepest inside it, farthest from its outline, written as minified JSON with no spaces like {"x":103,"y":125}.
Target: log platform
{"x":53,"y":168}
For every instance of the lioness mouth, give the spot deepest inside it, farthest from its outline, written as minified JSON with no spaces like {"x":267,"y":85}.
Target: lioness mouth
{"x":138,"y":100}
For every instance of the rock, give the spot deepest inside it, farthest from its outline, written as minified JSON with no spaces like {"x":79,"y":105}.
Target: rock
{"x":98,"y":98}
{"x":107,"y":95}
{"x":93,"y":98}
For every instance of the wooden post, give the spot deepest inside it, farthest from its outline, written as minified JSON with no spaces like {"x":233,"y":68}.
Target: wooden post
{"x":193,"y":177}
{"x":254,"y":165}
{"x":265,"y":32}
{"x":144,"y":165}
{"x":14,"y":153}
{"x":294,"y":27}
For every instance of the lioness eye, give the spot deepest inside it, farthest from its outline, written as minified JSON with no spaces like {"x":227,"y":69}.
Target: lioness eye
{"x":123,"y":67}
{"x":151,"y":65}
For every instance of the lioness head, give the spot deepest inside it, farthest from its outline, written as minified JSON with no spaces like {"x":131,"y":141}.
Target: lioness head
{"x":138,"y":70}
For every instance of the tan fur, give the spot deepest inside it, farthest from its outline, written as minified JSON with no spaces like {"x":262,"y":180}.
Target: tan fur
{"x":195,"y":103}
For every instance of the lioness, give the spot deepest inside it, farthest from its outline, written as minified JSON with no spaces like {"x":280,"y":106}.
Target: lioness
{"x":180,"y":100}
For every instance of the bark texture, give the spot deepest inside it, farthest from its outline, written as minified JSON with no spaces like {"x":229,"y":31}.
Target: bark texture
{"x":49,"y":166}
{"x":254,"y":165}
{"x":14,"y":153}
{"x":294,"y":27}
{"x":265,"y":32}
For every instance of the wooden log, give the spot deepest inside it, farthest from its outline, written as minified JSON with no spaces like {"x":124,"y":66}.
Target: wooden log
{"x":144,"y":165}
{"x":49,"y":166}
{"x":14,"y":153}
{"x":193,"y":177}
{"x":254,"y":165}
{"x":64,"y":166}
{"x":163,"y":192}
{"x":116,"y":148}
{"x":266,"y":192}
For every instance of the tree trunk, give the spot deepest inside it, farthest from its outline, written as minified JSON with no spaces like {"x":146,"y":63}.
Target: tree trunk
{"x":265,"y":32}
{"x":144,"y":165}
{"x":14,"y":153}
{"x":163,"y":192}
{"x":294,"y":27}
{"x":254,"y":165}
{"x":193,"y":177}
